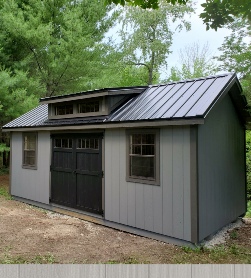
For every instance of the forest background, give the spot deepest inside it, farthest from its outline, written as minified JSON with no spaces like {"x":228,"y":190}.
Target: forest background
{"x":57,"y":47}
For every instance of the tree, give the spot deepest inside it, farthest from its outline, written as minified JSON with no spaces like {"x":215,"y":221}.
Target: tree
{"x":216,"y":14}
{"x":236,"y":53}
{"x":195,"y":61}
{"x":145,"y":4}
{"x":147,"y":35}
{"x":56,"y":42}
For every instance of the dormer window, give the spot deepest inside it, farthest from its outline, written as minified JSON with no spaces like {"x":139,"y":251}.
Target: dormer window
{"x":65,"y":109}
{"x":88,"y":106}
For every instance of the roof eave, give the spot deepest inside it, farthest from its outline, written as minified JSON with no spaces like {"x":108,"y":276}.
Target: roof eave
{"x":106,"y":125}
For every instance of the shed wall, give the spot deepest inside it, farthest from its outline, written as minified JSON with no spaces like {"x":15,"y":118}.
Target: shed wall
{"x":163,"y":209}
{"x":221,"y":168}
{"x":28,"y":183}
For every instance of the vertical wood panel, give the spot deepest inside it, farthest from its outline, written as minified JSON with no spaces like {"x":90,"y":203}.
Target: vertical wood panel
{"x":157,"y":209}
{"x":215,"y":271}
{"x":108,"y":175}
{"x":178,"y":183}
{"x":122,"y":184}
{"x":50,"y":271}
{"x":221,"y":165}
{"x":166,"y":154}
{"x":187,"y":184}
{"x":127,"y":271}
{"x":92,"y":271}
{"x":115,"y":142}
{"x":9,"y":271}
{"x":242,"y":271}
{"x":131,"y":204}
{"x":27,"y":183}
{"x":170,"y":271}
{"x":148,"y":204}
{"x":140,"y":207}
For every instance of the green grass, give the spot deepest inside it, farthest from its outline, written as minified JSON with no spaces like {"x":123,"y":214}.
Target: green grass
{"x":5,"y":194}
{"x":38,"y":259}
{"x":219,"y":254}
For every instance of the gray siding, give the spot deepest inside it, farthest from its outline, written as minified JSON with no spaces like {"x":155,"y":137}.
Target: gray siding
{"x":27,"y":183}
{"x":163,"y":209}
{"x":221,"y":168}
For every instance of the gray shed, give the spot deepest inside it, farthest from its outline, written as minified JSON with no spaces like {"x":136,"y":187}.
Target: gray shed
{"x":163,"y":161}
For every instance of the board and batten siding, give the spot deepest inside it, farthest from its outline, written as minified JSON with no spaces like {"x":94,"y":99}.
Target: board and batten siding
{"x":28,"y":183}
{"x":221,"y":168}
{"x":163,"y":209}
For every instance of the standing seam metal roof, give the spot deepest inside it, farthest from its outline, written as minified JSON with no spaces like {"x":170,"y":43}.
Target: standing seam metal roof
{"x":177,"y":100}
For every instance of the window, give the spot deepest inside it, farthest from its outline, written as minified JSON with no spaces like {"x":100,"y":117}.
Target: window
{"x":89,"y":106}
{"x":91,"y":143}
{"x":143,"y":156}
{"x":64,"y":109}
{"x":63,"y":143}
{"x":30,"y":150}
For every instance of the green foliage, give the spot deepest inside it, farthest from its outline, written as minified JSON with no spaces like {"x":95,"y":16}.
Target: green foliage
{"x":195,"y":61}
{"x":16,"y":88}
{"x":4,"y":148}
{"x":248,"y":162}
{"x":236,"y":54}
{"x":248,"y":214}
{"x":57,"y":43}
{"x":147,"y":35}
{"x":216,"y":13}
{"x":145,"y":4}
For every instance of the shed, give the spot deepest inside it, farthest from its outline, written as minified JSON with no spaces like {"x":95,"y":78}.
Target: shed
{"x":162,"y":161}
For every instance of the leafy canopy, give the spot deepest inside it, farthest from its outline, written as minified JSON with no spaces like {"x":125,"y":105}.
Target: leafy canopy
{"x":147,"y":35}
{"x":216,"y":14}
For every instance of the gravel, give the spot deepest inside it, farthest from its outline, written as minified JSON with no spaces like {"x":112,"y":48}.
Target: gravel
{"x":221,"y":236}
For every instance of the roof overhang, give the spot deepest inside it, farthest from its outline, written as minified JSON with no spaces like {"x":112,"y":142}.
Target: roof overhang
{"x":93,"y":94}
{"x":110,"y":125}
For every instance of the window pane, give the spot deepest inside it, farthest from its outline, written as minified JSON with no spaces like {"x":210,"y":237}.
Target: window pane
{"x":136,"y":149}
{"x":148,"y":138}
{"x":89,"y":106}
{"x":58,"y":143}
{"x":70,"y":144}
{"x":64,"y":109}
{"x":148,"y":150}
{"x":96,"y":144}
{"x":142,"y":167}
{"x":29,"y":150}
{"x":136,"y":139}
{"x":92,"y":143}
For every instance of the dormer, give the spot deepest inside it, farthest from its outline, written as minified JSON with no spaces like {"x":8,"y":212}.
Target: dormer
{"x":88,"y":104}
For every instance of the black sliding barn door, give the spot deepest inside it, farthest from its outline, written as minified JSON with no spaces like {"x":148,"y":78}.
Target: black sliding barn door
{"x":76,"y":171}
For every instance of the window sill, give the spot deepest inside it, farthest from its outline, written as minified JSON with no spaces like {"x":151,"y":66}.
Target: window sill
{"x":143,"y":181}
{"x":29,"y":167}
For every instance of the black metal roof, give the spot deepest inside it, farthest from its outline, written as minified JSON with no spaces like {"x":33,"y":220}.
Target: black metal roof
{"x":186,"y":99}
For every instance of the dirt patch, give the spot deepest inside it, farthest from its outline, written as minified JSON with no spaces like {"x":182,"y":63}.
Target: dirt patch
{"x":27,"y":232}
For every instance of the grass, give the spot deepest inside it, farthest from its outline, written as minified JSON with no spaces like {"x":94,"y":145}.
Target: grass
{"x":38,"y":259}
{"x":5,"y":193}
{"x":219,"y":254}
